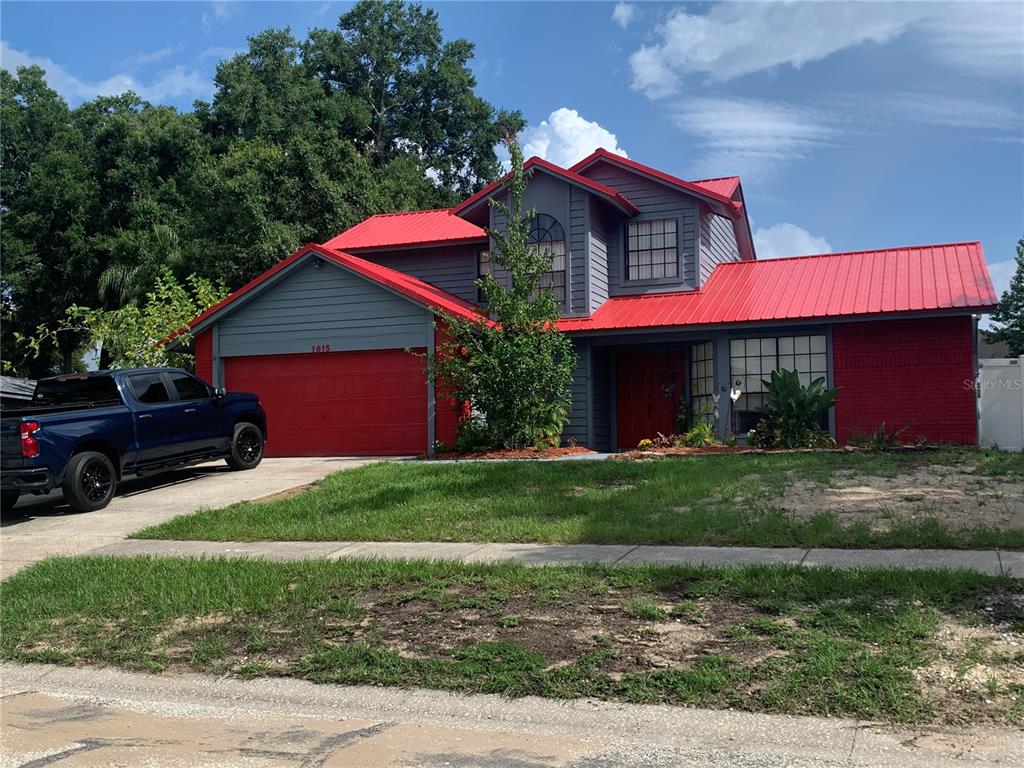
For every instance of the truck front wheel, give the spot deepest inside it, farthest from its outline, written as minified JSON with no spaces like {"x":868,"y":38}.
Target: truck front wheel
{"x":90,"y":481}
{"x":246,"y":447}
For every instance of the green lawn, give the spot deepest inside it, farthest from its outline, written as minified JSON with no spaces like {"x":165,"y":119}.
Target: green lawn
{"x":710,"y":500}
{"x":771,"y":639}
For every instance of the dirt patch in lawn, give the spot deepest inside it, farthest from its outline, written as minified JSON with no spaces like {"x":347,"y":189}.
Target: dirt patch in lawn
{"x":956,"y":496}
{"x":976,"y":665}
{"x":562,"y":631}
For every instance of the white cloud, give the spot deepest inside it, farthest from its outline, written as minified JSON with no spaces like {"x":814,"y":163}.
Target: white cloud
{"x":735,"y":39}
{"x":652,"y":74}
{"x":750,"y":137}
{"x":173,"y":83}
{"x":220,"y":10}
{"x":1001,"y":273}
{"x":951,"y":111}
{"x":220,"y":52}
{"x":566,"y":137}
{"x":151,"y":57}
{"x":624,"y":14}
{"x":987,"y":38}
{"x":781,"y":240}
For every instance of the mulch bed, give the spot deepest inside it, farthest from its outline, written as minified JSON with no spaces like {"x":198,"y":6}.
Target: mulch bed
{"x":522,"y":453}
{"x":717,"y":449}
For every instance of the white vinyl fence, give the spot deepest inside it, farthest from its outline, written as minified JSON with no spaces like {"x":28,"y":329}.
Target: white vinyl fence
{"x":1001,"y":403}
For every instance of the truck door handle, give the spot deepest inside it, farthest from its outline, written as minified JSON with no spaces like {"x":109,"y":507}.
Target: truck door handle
{"x":145,"y":416}
{"x":190,"y":410}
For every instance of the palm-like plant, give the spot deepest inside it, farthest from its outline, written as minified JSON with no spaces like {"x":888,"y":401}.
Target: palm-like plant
{"x":792,"y":410}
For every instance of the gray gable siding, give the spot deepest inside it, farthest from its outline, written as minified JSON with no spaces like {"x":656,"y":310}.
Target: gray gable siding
{"x":453,"y":269}
{"x":577,"y":233}
{"x":602,"y":247}
{"x":569,"y":206}
{"x":655,"y":201}
{"x":717,"y":243}
{"x":319,"y":306}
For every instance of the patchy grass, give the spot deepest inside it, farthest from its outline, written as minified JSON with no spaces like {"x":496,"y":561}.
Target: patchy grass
{"x":874,"y":644}
{"x":708,"y":500}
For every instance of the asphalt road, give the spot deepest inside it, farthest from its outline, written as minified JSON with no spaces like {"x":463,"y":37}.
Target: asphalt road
{"x":40,"y":526}
{"x":54,"y":716}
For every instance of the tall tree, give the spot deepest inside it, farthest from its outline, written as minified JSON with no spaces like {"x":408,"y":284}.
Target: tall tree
{"x":301,"y":140}
{"x":514,"y":367}
{"x":47,"y":198}
{"x":1008,"y":318}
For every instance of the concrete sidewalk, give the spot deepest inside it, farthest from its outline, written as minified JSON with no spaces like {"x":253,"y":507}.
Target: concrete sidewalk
{"x":990,"y":562}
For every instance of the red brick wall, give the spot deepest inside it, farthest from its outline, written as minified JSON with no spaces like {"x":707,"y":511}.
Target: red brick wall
{"x":204,"y":355}
{"x":906,"y":372}
{"x":447,"y":412}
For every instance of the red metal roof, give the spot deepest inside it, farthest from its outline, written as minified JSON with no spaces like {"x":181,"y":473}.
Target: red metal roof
{"x":604,"y":191}
{"x":422,"y":293}
{"x":389,"y":230}
{"x":601,"y":153}
{"x":725,"y":186}
{"x":915,"y":279}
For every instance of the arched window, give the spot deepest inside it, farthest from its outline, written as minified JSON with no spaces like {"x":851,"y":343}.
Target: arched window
{"x":547,"y":236}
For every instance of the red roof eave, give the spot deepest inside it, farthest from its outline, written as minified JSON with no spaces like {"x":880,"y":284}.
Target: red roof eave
{"x":413,"y":288}
{"x":605,"y":191}
{"x":731,"y":205}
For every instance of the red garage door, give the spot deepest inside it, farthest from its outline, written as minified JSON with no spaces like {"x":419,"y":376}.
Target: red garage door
{"x":338,"y":403}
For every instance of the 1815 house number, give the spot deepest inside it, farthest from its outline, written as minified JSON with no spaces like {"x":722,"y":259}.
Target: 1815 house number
{"x":321,"y":347}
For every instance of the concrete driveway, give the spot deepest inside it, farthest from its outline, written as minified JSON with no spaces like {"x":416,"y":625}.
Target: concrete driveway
{"x":40,"y":526}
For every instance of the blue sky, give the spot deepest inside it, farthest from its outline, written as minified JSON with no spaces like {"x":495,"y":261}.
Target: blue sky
{"x":853,"y":126}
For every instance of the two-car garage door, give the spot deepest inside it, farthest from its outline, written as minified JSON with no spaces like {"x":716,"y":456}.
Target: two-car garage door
{"x":338,"y":403}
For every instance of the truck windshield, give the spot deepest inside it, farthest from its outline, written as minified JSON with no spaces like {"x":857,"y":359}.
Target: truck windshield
{"x":77,"y":390}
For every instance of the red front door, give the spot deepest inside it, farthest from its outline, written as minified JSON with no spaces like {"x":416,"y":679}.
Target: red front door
{"x":648,"y":391}
{"x":338,"y":403}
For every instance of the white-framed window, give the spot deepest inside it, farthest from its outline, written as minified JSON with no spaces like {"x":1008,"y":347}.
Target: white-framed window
{"x":651,"y":249}
{"x":702,"y":376}
{"x":547,"y":236}
{"x":753,"y":360}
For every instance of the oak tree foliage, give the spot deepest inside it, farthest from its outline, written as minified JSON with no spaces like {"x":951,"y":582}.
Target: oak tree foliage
{"x":302,"y":139}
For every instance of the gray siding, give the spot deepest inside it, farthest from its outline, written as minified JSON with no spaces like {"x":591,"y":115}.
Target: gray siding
{"x":717,"y":243}
{"x":453,"y":269}
{"x":655,"y":201}
{"x":569,"y":206}
{"x":326,"y":305}
{"x":577,"y":234}
{"x":601,"y":394}
{"x":602,"y":245}
{"x":578,"y":428}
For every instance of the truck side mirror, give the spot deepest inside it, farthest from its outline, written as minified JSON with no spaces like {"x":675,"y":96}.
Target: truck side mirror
{"x":218,"y":393}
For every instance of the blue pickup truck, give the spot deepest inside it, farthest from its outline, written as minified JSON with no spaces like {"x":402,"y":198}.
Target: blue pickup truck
{"x":84,"y":432}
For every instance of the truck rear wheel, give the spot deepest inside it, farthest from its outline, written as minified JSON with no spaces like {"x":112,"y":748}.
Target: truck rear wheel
{"x":90,"y":481}
{"x":246,"y":447}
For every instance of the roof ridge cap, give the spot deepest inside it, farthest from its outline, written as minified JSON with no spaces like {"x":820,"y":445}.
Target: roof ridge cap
{"x":855,"y":253}
{"x":407,"y":213}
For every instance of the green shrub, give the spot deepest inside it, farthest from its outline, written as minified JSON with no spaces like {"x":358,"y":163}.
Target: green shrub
{"x":792,"y":413}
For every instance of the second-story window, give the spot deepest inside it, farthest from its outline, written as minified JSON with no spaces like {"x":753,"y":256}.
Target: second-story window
{"x":547,"y":236}
{"x":651,"y":251}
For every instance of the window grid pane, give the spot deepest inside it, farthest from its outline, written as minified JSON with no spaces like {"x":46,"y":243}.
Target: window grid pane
{"x":651,"y":250}
{"x":702,"y":376}
{"x":753,"y":360}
